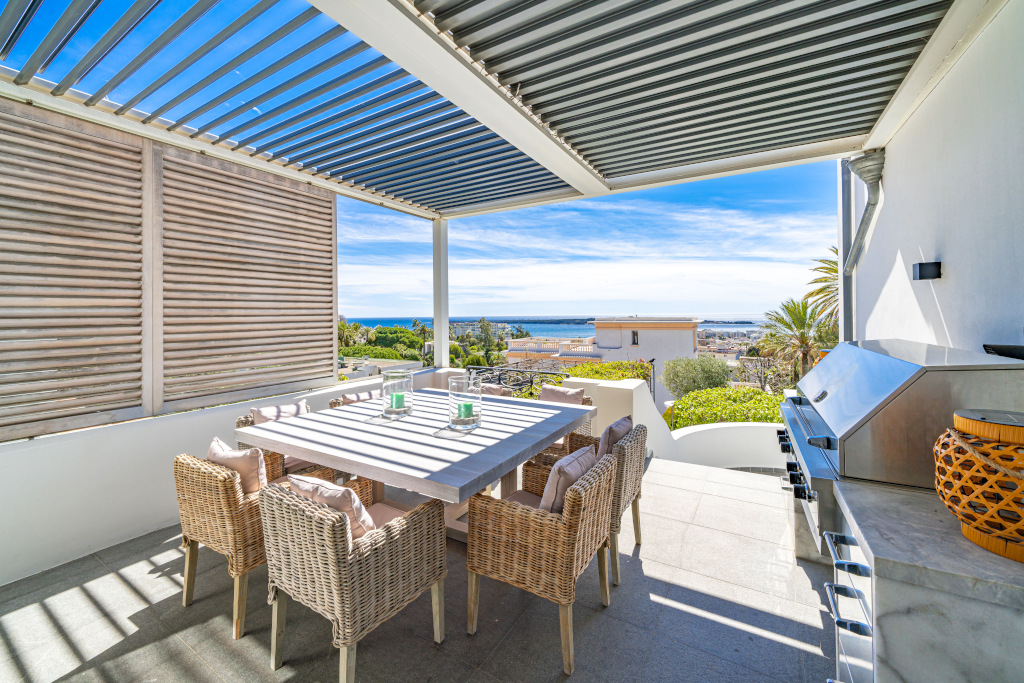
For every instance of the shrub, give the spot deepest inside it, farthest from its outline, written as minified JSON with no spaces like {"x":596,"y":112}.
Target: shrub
{"x":724,"y":404}
{"x":616,"y":369}
{"x":391,"y":336}
{"x":371,"y":351}
{"x":475,"y":359}
{"x":683,"y":375}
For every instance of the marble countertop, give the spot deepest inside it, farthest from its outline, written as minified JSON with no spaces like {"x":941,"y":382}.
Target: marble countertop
{"x":908,"y":535}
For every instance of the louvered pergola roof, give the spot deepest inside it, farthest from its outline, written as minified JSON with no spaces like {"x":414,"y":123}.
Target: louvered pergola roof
{"x":454,"y":107}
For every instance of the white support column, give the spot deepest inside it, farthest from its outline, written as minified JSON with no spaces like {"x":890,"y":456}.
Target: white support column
{"x":440,"y":292}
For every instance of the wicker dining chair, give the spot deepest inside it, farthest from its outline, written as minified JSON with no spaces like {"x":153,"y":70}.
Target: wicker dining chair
{"x":630,"y":453}
{"x":561,"y":449}
{"x":356,"y":584}
{"x":542,"y":552}
{"x":215,"y":512}
{"x":275,"y":462}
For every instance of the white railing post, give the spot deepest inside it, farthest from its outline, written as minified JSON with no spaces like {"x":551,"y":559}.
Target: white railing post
{"x":440,"y":226}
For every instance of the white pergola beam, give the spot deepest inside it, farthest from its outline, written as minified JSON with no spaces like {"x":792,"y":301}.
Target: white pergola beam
{"x":396,"y":30}
{"x":747,"y":163}
{"x":440,"y":230}
{"x":959,"y":28}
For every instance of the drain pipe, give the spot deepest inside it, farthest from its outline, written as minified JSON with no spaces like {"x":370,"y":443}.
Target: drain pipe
{"x":868,"y":168}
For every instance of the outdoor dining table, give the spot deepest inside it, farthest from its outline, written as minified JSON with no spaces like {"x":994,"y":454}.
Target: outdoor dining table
{"x":418,"y":452}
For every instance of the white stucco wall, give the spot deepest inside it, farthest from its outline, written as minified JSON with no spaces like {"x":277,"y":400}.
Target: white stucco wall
{"x":953,"y":192}
{"x":662,"y":345}
{"x":72,"y":493}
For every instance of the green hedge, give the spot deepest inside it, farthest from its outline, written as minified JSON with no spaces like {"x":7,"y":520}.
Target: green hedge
{"x":371,"y":351}
{"x":615,"y":369}
{"x":724,"y":404}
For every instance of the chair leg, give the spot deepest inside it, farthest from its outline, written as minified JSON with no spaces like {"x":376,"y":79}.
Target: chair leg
{"x":280,"y":611}
{"x":347,"y":668}
{"x":613,"y":550}
{"x":473,"y":602}
{"x":636,"y":518}
{"x":565,"y":621}
{"x":191,"y":558}
{"x":437,"y":603}
{"x":241,"y":590}
{"x":602,"y":573}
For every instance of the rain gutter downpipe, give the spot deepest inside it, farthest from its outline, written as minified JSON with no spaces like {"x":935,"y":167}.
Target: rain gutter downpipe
{"x":867,"y":167}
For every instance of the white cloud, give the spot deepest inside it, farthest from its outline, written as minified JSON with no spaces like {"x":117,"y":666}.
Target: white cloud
{"x":584,"y":258}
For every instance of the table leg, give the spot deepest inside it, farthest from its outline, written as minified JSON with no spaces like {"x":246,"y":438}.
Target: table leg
{"x":510,"y":483}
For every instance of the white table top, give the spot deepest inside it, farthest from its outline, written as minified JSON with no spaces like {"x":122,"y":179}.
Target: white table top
{"x":407,"y":454}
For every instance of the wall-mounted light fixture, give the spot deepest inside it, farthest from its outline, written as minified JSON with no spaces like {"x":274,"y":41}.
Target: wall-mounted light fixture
{"x":928,"y":271}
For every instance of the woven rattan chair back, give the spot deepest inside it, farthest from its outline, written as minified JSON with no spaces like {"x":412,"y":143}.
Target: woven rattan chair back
{"x":216,"y":513}
{"x":355,"y":584}
{"x":630,"y":454}
{"x":542,"y":552}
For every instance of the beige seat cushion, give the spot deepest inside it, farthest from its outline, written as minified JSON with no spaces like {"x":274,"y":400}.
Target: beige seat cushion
{"x":382,"y":514}
{"x":613,"y":434}
{"x":564,"y":474}
{"x":341,"y":498}
{"x":492,"y":389}
{"x":252,"y":471}
{"x":526,"y":498}
{"x":271,"y":413}
{"x":349,"y":399}
{"x":556,"y":394}
{"x":293,"y":464}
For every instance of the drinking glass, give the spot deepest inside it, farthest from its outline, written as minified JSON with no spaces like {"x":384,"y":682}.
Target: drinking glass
{"x":397,"y":393}
{"x":465,"y":405}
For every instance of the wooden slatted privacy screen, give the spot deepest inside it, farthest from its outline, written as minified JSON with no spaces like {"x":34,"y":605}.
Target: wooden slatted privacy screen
{"x":248,"y":286}
{"x":70,"y":278}
{"x":138,"y":279}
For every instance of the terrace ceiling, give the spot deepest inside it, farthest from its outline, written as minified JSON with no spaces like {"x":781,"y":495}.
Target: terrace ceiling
{"x":439,"y":107}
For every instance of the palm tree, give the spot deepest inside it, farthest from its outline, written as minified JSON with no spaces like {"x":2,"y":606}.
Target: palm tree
{"x":826,"y":295}
{"x":420,"y":329}
{"x":791,"y":332}
{"x":346,"y":335}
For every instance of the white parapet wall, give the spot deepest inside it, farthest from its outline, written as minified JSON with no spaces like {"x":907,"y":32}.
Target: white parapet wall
{"x":69,"y":494}
{"x":726,"y":444}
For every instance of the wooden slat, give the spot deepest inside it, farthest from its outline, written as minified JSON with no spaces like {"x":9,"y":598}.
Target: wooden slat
{"x":70,"y":278}
{"x":97,"y":394}
{"x":245,"y":269}
{"x":234,"y":348}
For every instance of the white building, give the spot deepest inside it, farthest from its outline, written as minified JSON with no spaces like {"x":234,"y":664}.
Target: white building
{"x":647,"y":338}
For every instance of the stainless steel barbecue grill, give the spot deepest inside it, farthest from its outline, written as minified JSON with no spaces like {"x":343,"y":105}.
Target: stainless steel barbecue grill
{"x":873,"y":409}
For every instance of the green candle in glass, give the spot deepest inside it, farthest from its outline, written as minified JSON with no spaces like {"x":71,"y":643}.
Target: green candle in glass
{"x":398,"y":400}
{"x":465,"y":410}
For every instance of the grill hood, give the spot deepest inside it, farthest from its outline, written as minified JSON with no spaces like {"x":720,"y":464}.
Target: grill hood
{"x":885,"y":401}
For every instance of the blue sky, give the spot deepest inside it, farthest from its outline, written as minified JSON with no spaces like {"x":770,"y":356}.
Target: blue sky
{"x":729,"y":246}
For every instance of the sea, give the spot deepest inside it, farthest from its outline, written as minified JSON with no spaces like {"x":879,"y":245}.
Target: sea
{"x":569,"y":327}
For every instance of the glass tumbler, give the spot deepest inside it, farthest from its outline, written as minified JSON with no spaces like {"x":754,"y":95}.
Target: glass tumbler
{"x":465,"y":405}
{"x":397,"y":393}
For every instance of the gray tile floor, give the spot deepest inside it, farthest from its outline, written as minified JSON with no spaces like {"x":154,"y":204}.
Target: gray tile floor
{"x":713,"y":594}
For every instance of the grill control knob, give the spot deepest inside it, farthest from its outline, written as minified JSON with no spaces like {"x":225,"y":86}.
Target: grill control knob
{"x":792,"y":466}
{"x":802,"y":492}
{"x":796,"y":478}
{"x":786,"y":447}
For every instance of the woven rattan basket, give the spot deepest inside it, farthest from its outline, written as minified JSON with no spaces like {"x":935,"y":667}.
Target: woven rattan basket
{"x":979,"y":474}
